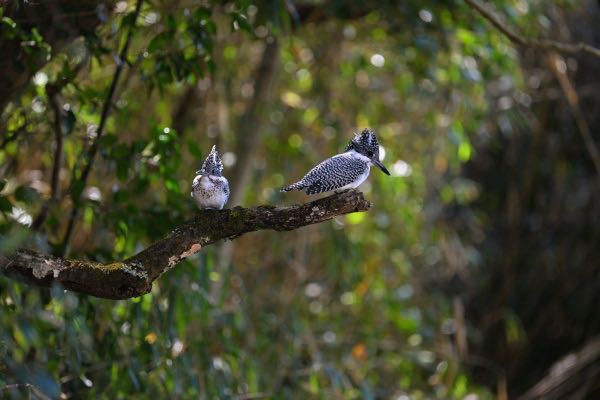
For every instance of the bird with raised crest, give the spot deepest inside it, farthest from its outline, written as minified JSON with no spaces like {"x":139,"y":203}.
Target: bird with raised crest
{"x":343,"y":171}
{"x":210,"y":190}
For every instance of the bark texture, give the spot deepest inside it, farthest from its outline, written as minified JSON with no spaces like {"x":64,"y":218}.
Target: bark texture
{"x":134,"y":276}
{"x":574,"y":376}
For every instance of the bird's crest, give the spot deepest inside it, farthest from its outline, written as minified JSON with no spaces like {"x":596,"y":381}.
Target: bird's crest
{"x":366,"y":140}
{"x":212,"y":165}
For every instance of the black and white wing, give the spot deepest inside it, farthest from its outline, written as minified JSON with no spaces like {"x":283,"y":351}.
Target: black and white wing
{"x":334,"y":173}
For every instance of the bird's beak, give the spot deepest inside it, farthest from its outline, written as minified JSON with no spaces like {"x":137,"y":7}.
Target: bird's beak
{"x":381,"y":166}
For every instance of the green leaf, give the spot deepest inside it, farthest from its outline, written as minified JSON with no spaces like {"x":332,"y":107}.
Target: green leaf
{"x":121,"y":196}
{"x":26,"y":194}
{"x":76,"y":190}
{"x":172,"y":185}
{"x":202,"y":13}
{"x":171,"y":22}
{"x":159,"y":41}
{"x":9,"y":22}
{"x":355,"y":218}
{"x":5,"y":204}
{"x":464,"y":151}
{"x":240,"y":21}
{"x":128,"y":20}
{"x":123,"y":165}
{"x":36,"y":36}
{"x":107,"y":140}
{"x":68,"y":122}
{"x":193,"y":148}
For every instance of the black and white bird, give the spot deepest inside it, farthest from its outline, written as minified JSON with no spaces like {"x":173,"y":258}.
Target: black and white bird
{"x":210,"y":189}
{"x":343,"y":171}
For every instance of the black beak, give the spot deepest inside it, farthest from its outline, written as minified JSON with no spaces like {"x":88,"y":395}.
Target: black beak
{"x":381,"y":166}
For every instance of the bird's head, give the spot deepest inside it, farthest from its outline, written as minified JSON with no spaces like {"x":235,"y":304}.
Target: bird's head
{"x":365,"y":143}
{"x":212,"y":165}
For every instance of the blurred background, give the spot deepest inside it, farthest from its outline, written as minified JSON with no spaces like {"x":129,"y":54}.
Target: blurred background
{"x":475,"y":275}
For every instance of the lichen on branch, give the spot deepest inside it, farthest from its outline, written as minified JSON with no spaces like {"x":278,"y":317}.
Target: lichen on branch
{"x":134,"y":276}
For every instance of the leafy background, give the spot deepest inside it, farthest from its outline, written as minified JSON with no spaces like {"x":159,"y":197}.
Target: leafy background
{"x":431,"y":294}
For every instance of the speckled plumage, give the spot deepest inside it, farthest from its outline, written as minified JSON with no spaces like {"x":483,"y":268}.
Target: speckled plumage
{"x":209,"y":188}
{"x":343,"y":171}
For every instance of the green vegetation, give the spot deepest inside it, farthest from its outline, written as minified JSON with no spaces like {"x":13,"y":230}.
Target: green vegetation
{"x":454,"y":285}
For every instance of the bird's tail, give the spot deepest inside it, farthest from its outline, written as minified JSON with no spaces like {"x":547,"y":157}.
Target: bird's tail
{"x":294,"y":186}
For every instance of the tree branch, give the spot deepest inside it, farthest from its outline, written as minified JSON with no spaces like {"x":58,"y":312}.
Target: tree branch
{"x":134,"y":276}
{"x":554,"y":62}
{"x":552,"y":47}
{"x":517,"y":38}
{"x":576,"y":375}
{"x":58,"y":150}
{"x":103,"y":120}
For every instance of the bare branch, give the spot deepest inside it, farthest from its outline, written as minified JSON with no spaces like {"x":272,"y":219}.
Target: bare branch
{"x":541,"y":44}
{"x":576,"y":375}
{"x":552,"y":47}
{"x":134,"y":276}
{"x":554,"y":62}
{"x":58,"y":150}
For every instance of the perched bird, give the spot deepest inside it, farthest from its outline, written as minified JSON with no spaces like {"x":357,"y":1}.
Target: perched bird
{"x":343,"y":171}
{"x":209,"y":188}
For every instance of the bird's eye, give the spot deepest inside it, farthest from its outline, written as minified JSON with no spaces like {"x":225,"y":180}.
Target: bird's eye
{"x":370,"y":153}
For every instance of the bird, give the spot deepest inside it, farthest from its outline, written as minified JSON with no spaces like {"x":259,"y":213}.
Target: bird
{"x":343,"y":171}
{"x":210,"y":190}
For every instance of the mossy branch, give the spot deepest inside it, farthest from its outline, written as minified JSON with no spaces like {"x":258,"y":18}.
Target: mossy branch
{"x":134,"y":276}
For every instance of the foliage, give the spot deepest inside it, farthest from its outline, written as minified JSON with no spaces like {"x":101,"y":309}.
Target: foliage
{"x":350,"y":309}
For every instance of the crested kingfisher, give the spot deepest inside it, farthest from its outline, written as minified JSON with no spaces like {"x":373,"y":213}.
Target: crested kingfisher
{"x":210,"y":190}
{"x":343,"y":171}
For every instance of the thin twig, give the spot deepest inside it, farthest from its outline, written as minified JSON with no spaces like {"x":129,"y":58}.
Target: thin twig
{"x":30,"y":387}
{"x":541,"y":44}
{"x":103,"y":120}
{"x":58,"y":151}
{"x":53,"y":90}
{"x":552,"y":47}
{"x":554,"y":61}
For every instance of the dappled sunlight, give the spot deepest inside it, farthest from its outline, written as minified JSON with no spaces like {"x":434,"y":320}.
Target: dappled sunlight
{"x":472,"y":272}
